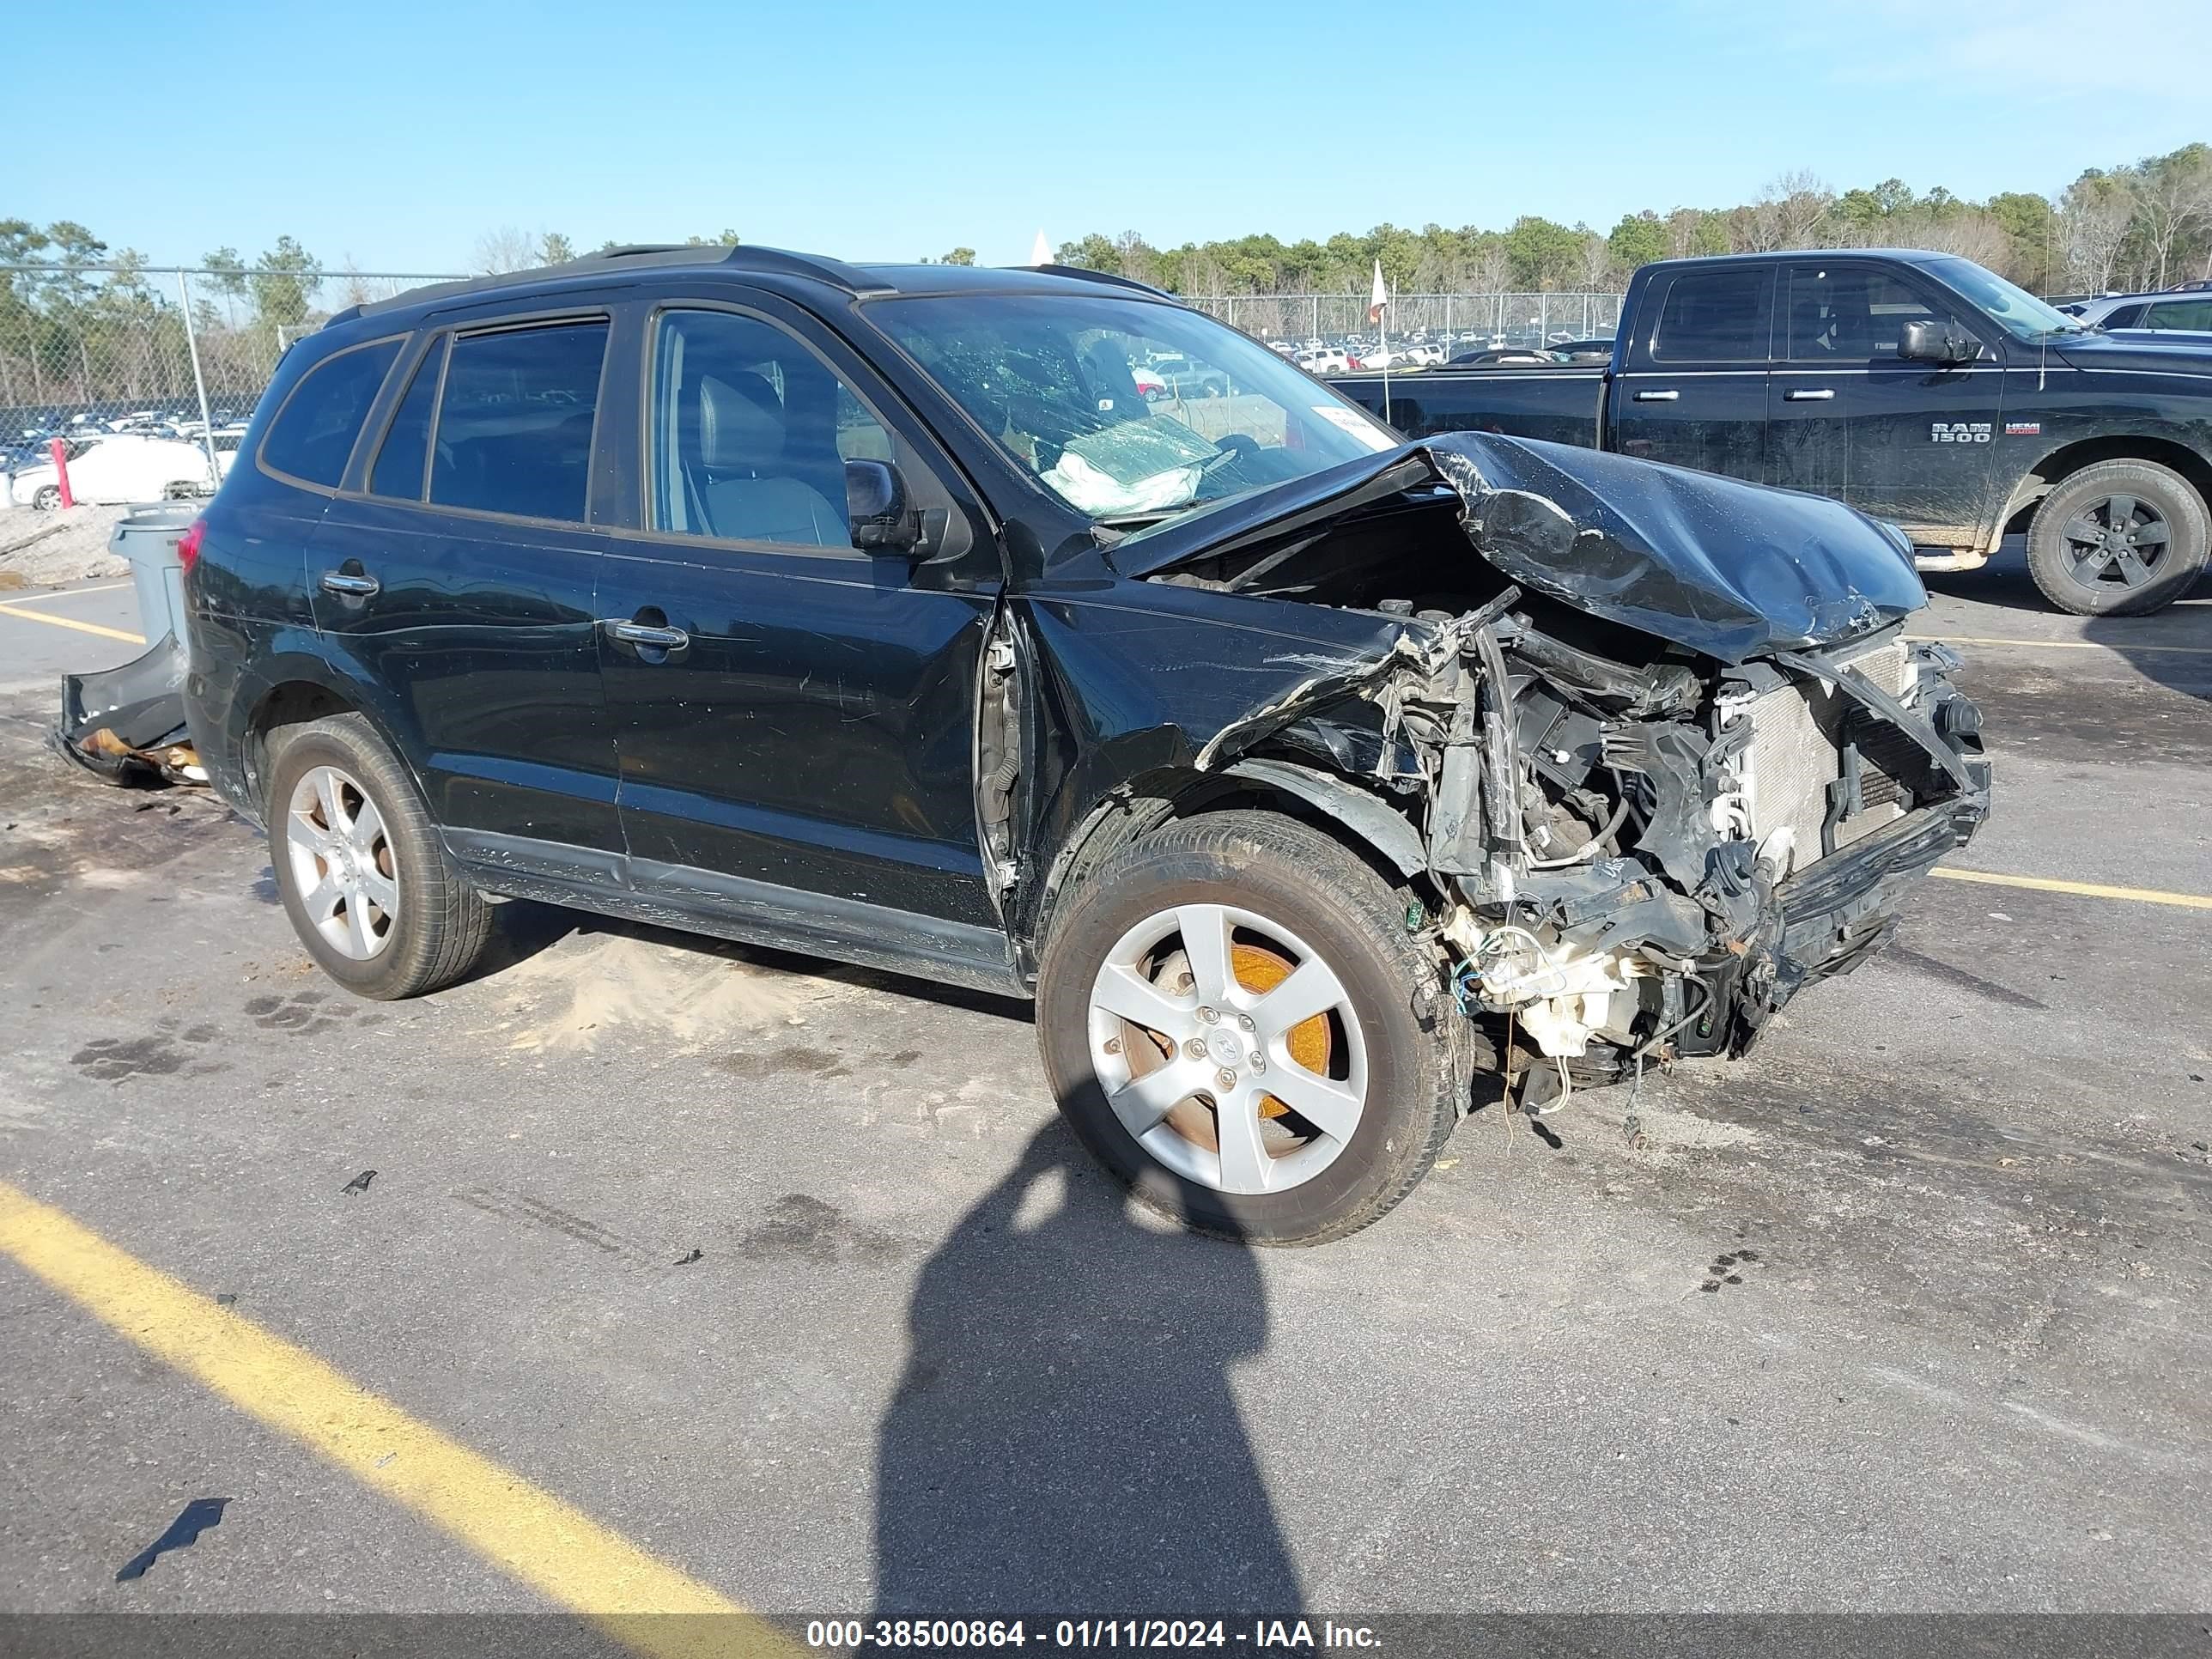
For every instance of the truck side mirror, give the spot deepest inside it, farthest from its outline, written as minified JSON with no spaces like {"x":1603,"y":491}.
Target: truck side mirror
{"x":1928,"y":341}
{"x":876,"y":505}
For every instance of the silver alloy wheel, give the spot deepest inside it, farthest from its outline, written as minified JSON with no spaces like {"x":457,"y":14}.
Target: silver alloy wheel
{"x":1189,"y":1054}
{"x":344,"y":866}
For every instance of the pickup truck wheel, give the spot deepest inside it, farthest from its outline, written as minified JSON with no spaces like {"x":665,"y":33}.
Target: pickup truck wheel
{"x":366,"y":880}
{"x":1237,"y":1025}
{"x":2118,"y":539}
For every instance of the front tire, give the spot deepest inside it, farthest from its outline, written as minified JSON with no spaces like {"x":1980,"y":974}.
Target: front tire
{"x":47,"y":499}
{"x":362,"y":870}
{"x":1237,"y":1023}
{"x":2120,"y":538}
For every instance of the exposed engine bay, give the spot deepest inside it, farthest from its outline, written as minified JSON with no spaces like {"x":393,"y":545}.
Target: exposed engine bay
{"x":1649,"y":796}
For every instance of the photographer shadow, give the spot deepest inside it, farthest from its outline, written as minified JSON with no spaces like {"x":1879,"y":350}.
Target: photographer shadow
{"x":1065,"y":1442}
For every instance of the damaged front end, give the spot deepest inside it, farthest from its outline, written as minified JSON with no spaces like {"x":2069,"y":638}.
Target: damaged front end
{"x":1676,"y":763}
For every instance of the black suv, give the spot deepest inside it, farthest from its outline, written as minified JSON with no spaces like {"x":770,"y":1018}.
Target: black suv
{"x":1322,"y":788}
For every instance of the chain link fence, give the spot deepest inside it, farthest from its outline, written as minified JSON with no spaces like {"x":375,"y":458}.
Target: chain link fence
{"x":1520,"y":319}
{"x":168,"y":352}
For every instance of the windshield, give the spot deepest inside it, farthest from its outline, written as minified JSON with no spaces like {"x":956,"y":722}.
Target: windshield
{"x":2016,"y":311}
{"x":1130,"y":411}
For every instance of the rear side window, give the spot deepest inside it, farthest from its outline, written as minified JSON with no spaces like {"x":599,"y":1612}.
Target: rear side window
{"x":399,"y":462}
{"x":315,"y":432}
{"x":1713,"y":317}
{"x":514,"y":423}
{"x":2180,"y":313}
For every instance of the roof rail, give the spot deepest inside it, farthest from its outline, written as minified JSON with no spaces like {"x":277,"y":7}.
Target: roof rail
{"x":743,"y":256}
{"x":817,"y":267}
{"x":1082,"y":274}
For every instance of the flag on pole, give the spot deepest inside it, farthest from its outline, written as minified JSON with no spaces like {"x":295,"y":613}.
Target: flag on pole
{"x":1380,"y":298}
{"x":1041,"y":251}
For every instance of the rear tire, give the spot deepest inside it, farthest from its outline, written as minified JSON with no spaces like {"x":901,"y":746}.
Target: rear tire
{"x":363,"y":871}
{"x":48,"y":498}
{"x":1288,"y":897}
{"x":2120,"y":538}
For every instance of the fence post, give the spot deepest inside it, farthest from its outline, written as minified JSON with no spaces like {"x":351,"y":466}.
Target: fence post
{"x":199,"y":383}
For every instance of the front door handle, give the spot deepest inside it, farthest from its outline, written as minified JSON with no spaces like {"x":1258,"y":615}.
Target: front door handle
{"x":645,"y":633}
{"x":353,"y":587}
{"x":1656,"y":396}
{"x":1807,"y":395}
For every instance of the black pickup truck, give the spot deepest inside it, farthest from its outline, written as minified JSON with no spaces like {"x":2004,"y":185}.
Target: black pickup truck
{"x":1919,"y":388}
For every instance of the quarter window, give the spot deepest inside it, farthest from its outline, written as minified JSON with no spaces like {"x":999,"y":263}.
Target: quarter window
{"x":1713,"y":317}
{"x":315,"y":432}
{"x":751,"y":433}
{"x":514,"y":424}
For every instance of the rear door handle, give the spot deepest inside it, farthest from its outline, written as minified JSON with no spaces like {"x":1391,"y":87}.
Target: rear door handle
{"x":661,"y":639}
{"x":1807,"y":395}
{"x":354,"y":587}
{"x":1656,"y":396}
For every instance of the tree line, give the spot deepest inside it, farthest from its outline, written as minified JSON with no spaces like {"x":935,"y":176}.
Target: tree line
{"x":2148,"y":224}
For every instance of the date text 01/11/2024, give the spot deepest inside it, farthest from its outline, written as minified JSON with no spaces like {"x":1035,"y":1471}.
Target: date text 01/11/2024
{"x":936,"y":1635}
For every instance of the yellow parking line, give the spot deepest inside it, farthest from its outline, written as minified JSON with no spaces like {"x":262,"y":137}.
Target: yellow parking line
{"x":549,"y":1544}
{"x":71,"y":622}
{"x":2065,"y":645}
{"x":2083,"y":889}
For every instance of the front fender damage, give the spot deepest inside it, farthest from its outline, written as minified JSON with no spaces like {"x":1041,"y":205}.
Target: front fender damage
{"x":1627,"y":843}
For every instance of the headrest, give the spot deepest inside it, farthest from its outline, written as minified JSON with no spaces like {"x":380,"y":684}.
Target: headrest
{"x":740,"y":422}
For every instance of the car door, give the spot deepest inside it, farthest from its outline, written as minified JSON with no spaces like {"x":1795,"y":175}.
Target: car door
{"x":1912,"y":442}
{"x":1692,"y":389}
{"x":794,"y":716}
{"x":456,"y":576}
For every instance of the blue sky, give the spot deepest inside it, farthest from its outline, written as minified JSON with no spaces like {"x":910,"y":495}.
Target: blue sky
{"x":397,"y":134}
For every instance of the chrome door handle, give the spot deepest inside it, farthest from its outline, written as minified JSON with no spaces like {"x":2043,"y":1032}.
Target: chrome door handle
{"x":354,"y":587}
{"x":1805,"y":395}
{"x":663,"y":638}
{"x":1656,"y":396}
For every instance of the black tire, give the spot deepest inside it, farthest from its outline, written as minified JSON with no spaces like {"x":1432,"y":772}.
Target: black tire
{"x":2115,"y":579}
{"x":443,"y":926}
{"x":47,"y":499}
{"x":1418,"y":1049}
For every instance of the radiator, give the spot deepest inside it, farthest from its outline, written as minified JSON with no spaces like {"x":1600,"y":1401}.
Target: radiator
{"x":1796,"y":752}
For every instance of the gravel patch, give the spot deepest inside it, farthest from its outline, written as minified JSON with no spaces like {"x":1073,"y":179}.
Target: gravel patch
{"x":43,"y":549}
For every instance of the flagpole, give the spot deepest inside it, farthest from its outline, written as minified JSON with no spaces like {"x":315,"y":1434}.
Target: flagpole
{"x":1378,"y":303}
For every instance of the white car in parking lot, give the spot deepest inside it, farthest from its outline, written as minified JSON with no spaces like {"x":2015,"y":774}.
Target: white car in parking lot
{"x":1325,"y":360}
{"x":112,"y":468}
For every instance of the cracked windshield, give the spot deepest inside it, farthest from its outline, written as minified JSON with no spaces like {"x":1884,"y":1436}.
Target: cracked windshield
{"x":1131,"y":412}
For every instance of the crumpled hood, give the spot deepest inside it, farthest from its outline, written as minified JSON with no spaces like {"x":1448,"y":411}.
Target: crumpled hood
{"x":1731,"y":569}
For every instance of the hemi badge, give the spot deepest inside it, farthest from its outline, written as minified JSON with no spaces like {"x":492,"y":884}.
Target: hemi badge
{"x":2023,"y":429}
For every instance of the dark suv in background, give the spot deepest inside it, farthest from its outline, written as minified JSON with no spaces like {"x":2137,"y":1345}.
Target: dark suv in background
{"x":873,"y":612}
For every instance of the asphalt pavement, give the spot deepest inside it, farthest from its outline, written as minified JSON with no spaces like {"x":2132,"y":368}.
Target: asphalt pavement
{"x":785,"y":1278}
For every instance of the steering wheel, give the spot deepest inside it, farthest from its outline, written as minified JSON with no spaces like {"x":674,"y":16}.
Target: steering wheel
{"x":1235,"y":446}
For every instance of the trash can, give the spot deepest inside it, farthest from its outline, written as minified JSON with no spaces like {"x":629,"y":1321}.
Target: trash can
{"x":127,"y":725}
{"x":147,"y":536}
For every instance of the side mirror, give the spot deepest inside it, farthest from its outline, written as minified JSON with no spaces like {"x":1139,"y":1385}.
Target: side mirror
{"x":1927,"y":341}
{"x":875,"y":504}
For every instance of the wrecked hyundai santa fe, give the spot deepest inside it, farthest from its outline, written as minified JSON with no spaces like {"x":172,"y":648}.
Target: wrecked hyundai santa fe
{"x":1322,"y":788}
